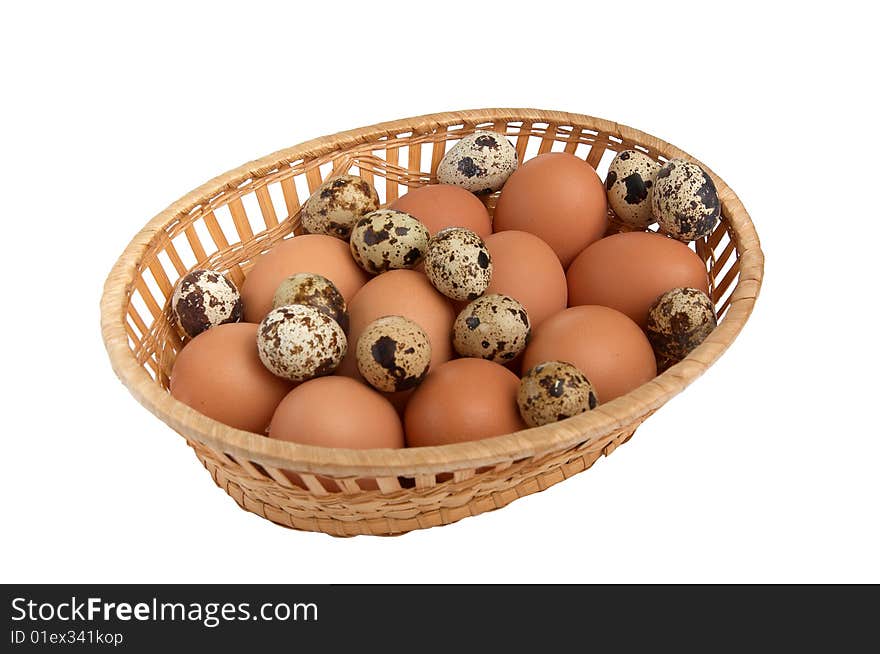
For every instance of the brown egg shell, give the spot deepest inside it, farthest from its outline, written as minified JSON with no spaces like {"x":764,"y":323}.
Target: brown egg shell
{"x":309,"y":253}
{"x":438,"y":206}
{"x":609,"y":348}
{"x":528,"y":270}
{"x":557,"y":197}
{"x":463,"y":400}
{"x":219,"y":374}
{"x":337,"y":412}
{"x":406,"y":293}
{"x":629,"y":271}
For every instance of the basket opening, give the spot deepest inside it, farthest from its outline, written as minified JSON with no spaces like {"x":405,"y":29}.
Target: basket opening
{"x":229,"y":230}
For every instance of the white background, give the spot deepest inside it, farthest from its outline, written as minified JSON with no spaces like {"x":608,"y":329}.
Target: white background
{"x":766,"y":469}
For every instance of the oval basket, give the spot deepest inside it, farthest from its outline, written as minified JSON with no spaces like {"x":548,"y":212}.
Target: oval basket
{"x":231,"y":220}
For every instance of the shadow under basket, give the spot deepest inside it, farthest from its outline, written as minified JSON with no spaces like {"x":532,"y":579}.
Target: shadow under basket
{"x":227,"y":223}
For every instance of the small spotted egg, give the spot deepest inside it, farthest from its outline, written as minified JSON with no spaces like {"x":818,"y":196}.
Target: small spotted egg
{"x":458,"y":263}
{"x":494,"y":327}
{"x":552,"y":391}
{"x":297,"y":342}
{"x":337,"y":205}
{"x":629,"y":185}
{"x":685,"y":202}
{"x":203,"y":299}
{"x":393,"y":354}
{"x":678,"y":322}
{"x":388,"y":239}
{"x":313,"y":290}
{"x":480,"y":162}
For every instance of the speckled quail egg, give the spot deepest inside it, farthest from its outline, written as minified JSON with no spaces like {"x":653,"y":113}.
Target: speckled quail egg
{"x":297,"y":342}
{"x":203,"y":299}
{"x":458,"y":264}
{"x":554,"y":390}
{"x":337,"y":205}
{"x":685,"y":202}
{"x":313,"y":290}
{"x":393,"y":354}
{"x":494,"y":327}
{"x":678,"y":322}
{"x":388,"y":239}
{"x":480,"y":162}
{"x":629,"y":185}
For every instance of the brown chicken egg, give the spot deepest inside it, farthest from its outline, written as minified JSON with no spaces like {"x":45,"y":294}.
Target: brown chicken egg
{"x":557,"y":197}
{"x":337,"y":412}
{"x":628,"y":272}
{"x":310,"y":253}
{"x":527,"y":269}
{"x":439,"y":206}
{"x":219,"y":374}
{"x":463,"y":400}
{"x":605,"y":345}
{"x":406,"y":293}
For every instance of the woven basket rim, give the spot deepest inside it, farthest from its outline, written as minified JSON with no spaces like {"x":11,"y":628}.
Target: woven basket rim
{"x":591,"y":426}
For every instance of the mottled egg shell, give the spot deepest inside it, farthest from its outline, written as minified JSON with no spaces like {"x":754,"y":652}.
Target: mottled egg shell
{"x":458,"y":263}
{"x":297,"y":342}
{"x":203,"y":299}
{"x":494,"y":327}
{"x":629,"y":185}
{"x":480,"y":162}
{"x":685,"y":202}
{"x":678,"y":322}
{"x":393,"y":354}
{"x":315,"y":291}
{"x":554,"y":390}
{"x":388,"y":239}
{"x":337,"y":205}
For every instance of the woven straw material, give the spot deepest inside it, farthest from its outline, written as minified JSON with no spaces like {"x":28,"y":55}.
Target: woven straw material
{"x":231,"y":220}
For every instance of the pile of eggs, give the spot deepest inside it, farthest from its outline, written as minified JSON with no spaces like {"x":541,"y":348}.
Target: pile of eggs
{"x":426,"y":322}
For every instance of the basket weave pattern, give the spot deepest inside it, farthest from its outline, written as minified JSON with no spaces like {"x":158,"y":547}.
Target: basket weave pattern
{"x":231,"y":220}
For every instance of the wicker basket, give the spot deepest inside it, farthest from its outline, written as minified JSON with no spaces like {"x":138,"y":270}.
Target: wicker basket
{"x":230,"y":221}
